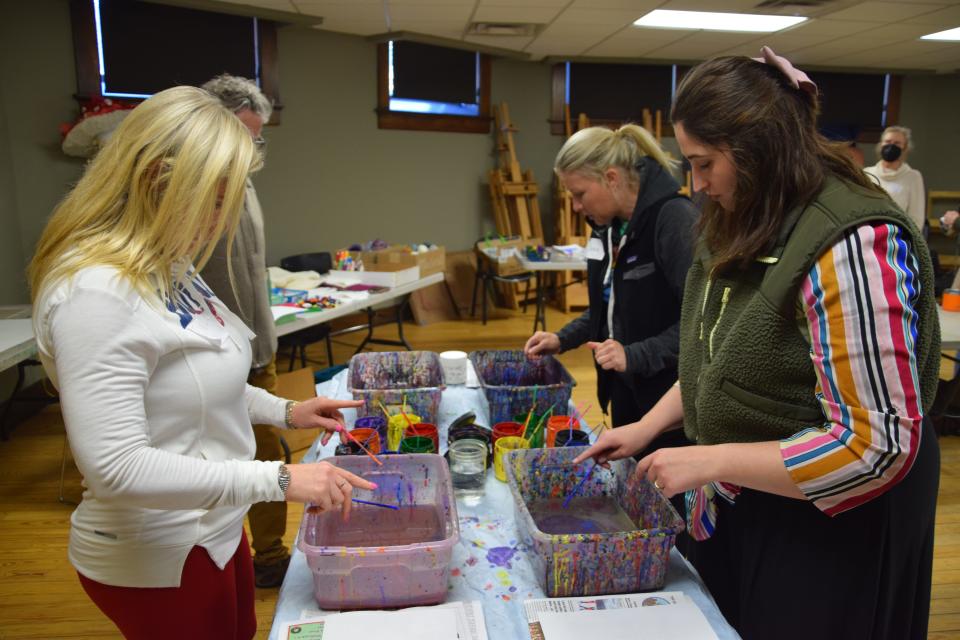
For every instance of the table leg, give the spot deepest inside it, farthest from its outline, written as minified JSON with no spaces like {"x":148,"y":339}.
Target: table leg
{"x":4,"y":427}
{"x":540,"y":315}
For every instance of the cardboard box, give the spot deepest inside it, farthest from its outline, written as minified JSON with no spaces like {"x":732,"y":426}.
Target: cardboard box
{"x":400,"y":257}
{"x":376,"y":278}
{"x":502,"y":254}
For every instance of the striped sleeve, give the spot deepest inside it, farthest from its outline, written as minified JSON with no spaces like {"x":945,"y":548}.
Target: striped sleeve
{"x":859,"y":302}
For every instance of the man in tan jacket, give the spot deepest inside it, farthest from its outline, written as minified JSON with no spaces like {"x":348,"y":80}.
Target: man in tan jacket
{"x":249,"y":298}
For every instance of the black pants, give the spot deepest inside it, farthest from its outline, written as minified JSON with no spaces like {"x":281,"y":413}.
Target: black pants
{"x":780,"y":568}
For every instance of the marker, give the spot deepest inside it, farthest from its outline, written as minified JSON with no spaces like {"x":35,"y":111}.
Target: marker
{"x":376,"y":504}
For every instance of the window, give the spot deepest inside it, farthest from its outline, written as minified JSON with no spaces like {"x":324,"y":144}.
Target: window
{"x":431,"y":88}
{"x":857,"y":105}
{"x":126,"y":49}
{"x":611,"y":94}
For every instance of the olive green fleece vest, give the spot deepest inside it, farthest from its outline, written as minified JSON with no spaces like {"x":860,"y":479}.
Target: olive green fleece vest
{"x":745,"y":368}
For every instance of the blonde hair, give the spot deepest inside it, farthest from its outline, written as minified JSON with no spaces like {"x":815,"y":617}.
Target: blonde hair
{"x":593,"y":150}
{"x":904,"y":131}
{"x":147,"y":204}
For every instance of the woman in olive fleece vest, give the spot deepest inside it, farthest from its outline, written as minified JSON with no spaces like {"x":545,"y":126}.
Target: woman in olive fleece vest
{"x":809,"y":347}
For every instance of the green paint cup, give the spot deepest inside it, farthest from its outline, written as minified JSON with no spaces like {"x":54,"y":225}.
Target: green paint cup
{"x":417,"y":444}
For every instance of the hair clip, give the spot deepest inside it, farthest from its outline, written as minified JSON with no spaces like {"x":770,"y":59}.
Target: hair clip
{"x":797,"y":78}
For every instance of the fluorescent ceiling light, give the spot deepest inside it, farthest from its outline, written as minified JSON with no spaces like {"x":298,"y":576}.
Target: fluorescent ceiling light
{"x":949,"y":34}
{"x":711,"y":21}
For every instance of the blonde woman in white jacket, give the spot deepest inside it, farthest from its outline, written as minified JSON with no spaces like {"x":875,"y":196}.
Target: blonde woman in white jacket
{"x":903,"y":183}
{"x":151,"y":367}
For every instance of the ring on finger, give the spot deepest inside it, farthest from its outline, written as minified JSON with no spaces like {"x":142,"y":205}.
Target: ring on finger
{"x":656,"y":484}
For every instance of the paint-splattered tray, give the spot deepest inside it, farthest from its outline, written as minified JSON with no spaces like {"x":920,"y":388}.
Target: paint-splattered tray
{"x":385,"y":558}
{"x":615,"y":536}
{"x":512,"y":383}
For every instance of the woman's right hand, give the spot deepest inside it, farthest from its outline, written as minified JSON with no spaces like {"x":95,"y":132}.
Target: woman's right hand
{"x":325,"y":486}
{"x":542,"y":343}
{"x":614,"y":444}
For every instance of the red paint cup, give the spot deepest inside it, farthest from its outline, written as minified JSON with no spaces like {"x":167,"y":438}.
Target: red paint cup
{"x":507,"y":429}
{"x":424,"y":430}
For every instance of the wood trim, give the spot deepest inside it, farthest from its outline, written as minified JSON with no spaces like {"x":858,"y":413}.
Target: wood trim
{"x":270,"y":66}
{"x":558,"y":98}
{"x":85,"y":56}
{"x":387,"y":119}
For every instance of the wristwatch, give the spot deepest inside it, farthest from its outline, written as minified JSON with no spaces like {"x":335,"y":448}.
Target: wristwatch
{"x":283,"y":479}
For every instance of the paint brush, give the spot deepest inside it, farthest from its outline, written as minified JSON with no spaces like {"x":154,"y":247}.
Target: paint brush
{"x":349,"y":435}
{"x":376,"y":504}
{"x":576,"y":489}
{"x":543,"y":419}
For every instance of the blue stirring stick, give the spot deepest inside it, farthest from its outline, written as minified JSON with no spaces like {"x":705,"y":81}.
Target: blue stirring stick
{"x":576,"y":489}
{"x":376,"y":504}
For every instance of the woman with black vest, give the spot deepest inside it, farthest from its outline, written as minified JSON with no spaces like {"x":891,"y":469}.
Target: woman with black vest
{"x":809,"y":352}
{"x":637,"y":259}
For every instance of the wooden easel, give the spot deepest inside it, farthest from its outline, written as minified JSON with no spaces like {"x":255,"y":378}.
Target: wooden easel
{"x":571,"y":228}
{"x":513,"y":193}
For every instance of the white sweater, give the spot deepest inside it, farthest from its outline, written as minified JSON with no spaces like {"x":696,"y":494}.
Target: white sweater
{"x":905,"y":186}
{"x":158,"y":414}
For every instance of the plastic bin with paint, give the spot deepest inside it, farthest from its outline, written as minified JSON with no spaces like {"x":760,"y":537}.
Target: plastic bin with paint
{"x":383,"y":557}
{"x":392,"y":377}
{"x":511,"y":382}
{"x":614,"y":536}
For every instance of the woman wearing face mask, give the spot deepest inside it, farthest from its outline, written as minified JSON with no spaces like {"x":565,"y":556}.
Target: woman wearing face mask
{"x":903,"y":183}
{"x":809,"y":354}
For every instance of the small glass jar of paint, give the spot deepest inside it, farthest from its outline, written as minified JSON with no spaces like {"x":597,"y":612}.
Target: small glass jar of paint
{"x":416,"y":444}
{"x":468,"y":465}
{"x":572,"y":438}
{"x":556,"y":424}
{"x":347,"y":449}
{"x":426,"y":430}
{"x":472,"y":432}
{"x":505,"y":444}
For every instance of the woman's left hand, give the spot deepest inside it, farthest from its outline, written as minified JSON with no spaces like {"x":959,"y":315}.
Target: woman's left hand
{"x":679,"y":469}
{"x":321,"y":413}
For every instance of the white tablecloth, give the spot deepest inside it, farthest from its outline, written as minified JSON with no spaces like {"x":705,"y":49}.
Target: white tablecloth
{"x":489,"y":564}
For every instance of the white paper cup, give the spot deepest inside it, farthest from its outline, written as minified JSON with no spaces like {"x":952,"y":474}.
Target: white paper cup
{"x":454,"y":364}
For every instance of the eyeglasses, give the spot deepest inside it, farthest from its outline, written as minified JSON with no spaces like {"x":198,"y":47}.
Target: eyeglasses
{"x":260,"y":142}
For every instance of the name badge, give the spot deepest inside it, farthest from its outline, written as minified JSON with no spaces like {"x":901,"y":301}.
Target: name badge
{"x":594,"y":249}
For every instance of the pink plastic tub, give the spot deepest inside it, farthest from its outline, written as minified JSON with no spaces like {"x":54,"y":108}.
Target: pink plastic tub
{"x":382,"y":557}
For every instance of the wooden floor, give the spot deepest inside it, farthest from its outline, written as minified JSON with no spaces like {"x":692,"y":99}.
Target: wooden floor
{"x":40,"y":596}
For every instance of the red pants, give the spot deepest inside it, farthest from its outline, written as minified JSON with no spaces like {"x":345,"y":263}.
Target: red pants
{"x":209,"y":603}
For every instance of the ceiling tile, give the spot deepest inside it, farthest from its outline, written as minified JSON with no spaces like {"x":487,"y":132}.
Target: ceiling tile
{"x":537,"y":15}
{"x":559,"y":4}
{"x":343,"y":11}
{"x":635,"y":42}
{"x":834,"y":28}
{"x":430,"y":12}
{"x":643,"y":6}
{"x":885,"y":11}
{"x":701,"y":45}
{"x":355,"y":27}
{"x":945,"y":18}
{"x":614,"y":17}
{"x":276,"y":5}
{"x":727,"y":6}
{"x":517,"y":43}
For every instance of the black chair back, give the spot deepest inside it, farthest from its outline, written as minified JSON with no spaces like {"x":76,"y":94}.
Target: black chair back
{"x":320,"y":262}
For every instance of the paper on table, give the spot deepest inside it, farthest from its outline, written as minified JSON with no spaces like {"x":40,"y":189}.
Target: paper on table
{"x":471,"y":624}
{"x":681,"y":621}
{"x":427,"y":623}
{"x":281,"y":311}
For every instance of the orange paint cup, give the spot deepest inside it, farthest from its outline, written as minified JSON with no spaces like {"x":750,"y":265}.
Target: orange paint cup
{"x":951,"y":300}
{"x":556,"y":424}
{"x":367,"y":437}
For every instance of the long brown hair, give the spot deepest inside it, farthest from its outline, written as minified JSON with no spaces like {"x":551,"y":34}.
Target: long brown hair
{"x":781,"y":159}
